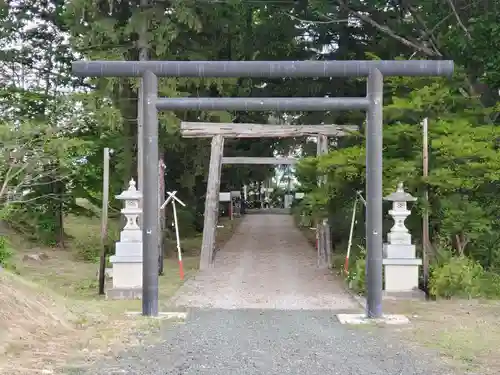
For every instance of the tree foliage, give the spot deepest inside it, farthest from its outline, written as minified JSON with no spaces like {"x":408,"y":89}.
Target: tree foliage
{"x":463,"y":129}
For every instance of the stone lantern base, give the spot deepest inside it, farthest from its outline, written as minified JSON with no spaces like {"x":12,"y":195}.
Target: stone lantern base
{"x":127,"y":267}
{"x":127,"y":271}
{"x":124,"y":293}
{"x":401,"y":268}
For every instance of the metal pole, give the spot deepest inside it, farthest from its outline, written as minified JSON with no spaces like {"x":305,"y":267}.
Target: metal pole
{"x":161,"y":216}
{"x":104,"y":220}
{"x":140,"y":135}
{"x":143,"y":56}
{"x":150,"y":200}
{"x":262,"y":104}
{"x":263,"y":69}
{"x":425,"y":221}
{"x":374,"y":145}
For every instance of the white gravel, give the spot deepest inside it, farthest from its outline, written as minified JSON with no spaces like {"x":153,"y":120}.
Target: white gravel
{"x":269,"y":342}
{"x":267,"y":264}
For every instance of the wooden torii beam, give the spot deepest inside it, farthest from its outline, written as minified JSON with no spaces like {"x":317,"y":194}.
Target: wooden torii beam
{"x":219,"y":131}
{"x":230,"y":130}
{"x":258,"y":160}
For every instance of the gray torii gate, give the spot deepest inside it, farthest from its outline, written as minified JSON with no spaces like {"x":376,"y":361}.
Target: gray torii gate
{"x":218,"y":132}
{"x":372,"y":104}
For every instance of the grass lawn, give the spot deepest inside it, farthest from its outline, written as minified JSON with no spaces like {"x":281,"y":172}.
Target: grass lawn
{"x":465,"y":333}
{"x":51,"y":312}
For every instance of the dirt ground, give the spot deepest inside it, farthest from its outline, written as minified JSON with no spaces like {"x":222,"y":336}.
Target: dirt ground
{"x":53,"y":315}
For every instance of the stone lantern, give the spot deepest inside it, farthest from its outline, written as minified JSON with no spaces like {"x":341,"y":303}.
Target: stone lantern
{"x":400,"y":263}
{"x":127,"y":261}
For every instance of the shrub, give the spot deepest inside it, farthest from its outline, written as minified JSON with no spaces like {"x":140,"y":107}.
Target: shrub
{"x":490,"y":285}
{"x":186,"y":219}
{"x":6,"y":254}
{"x":302,"y":215}
{"x":87,"y":249}
{"x":357,"y":277}
{"x":5,"y":251}
{"x":457,"y":277}
{"x":357,"y":273}
{"x":88,"y":253}
{"x":451,"y":276}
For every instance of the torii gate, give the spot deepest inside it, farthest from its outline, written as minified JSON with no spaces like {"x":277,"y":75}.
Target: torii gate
{"x":372,"y":103}
{"x":219,"y":131}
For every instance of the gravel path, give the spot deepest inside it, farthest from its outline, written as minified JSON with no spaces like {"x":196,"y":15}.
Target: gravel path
{"x":269,"y":342}
{"x":265,"y":309}
{"x":266,"y":264}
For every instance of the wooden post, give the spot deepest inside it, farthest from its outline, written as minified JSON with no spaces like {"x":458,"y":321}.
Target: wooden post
{"x":328,"y":247}
{"x":322,"y":227}
{"x":425,"y":218}
{"x":319,"y":245}
{"x":104,"y":221}
{"x":260,"y":195}
{"x":326,"y":242}
{"x":212,"y":202}
{"x":319,"y":231}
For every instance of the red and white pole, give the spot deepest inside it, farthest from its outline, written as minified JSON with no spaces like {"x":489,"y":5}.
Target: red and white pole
{"x":351,"y":231}
{"x":178,"y":240}
{"x":346,"y":264}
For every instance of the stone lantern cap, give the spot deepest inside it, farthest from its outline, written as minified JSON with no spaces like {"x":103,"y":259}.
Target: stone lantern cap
{"x":131,"y":193}
{"x":400,"y":195}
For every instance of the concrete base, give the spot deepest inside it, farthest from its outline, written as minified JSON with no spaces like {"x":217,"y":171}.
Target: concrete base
{"x":401,"y":275}
{"x":124,"y":293}
{"x":362,"y":319}
{"x":173,"y":315}
{"x":127,"y":271}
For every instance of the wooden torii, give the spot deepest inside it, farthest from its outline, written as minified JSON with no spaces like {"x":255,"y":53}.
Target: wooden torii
{"x":219,"y":131}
